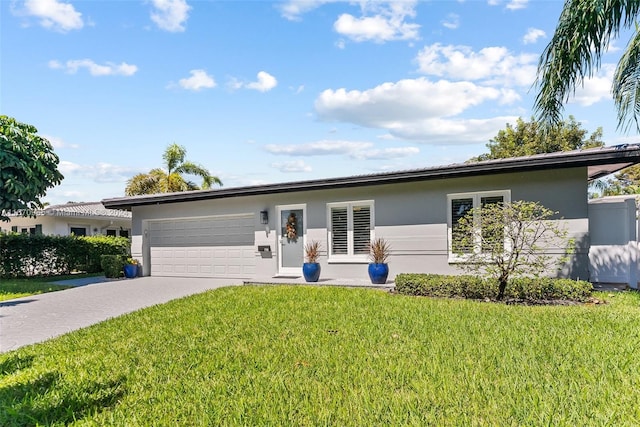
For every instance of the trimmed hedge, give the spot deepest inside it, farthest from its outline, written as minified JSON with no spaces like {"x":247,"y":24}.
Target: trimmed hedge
{"x":112,"y":265}
{"x":473,"y":287}
{"x":24,"y":255}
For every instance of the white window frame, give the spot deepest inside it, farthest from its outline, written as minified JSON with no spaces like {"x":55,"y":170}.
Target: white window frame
{"x":350,"y":257}
{"x":477,"y":197}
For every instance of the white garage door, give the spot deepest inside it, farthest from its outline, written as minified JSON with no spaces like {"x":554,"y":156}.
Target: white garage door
{"x":220,"y":246}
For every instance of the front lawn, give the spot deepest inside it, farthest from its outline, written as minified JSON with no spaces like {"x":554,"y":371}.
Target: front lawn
{"x":17,"y":288}
{"x":298,"y":355}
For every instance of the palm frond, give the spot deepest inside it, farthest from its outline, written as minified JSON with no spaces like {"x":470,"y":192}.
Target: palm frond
{"x":584,"y":30}
{"x":626,"y":85}
{"x":143,"y":183}
{"x":173,"y":156}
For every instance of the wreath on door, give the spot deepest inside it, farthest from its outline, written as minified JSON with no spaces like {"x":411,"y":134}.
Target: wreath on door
{"x":292,"y":225}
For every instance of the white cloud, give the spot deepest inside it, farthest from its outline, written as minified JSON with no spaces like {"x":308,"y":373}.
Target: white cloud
{"x":318,"y":148}
{"x":109,"y":69}
{"x":170,"y":15}
{"x":353,"y":149}
{"x":292,"y":166}
{"x":494,"y":65}
{"x":380,"y":22}
{"x":441,"y":131}
{"x":58,"y":142}
{"x":511,"y":4}
{"x":517,"y":4}
{"x":391,"y":104}
{"x":100,"y":172}
{"x":452,"y":22}
{"x":54,"y":14}
{"x":293,"y":9}
{"x":265,"y":83}
{"x":596,"y":88}
{"x":419,"y":110}
{"x":199,"y":80}
{"x":532,"y":36}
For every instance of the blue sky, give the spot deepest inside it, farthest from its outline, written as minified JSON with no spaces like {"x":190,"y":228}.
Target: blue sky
{"x":263,"y":92}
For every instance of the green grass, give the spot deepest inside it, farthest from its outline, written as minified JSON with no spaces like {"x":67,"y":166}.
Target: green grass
{"x":17,"y":288}
{"x":286,"y":355}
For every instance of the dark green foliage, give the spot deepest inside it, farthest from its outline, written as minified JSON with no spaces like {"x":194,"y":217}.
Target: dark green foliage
{"x":528,"y":138}
{"x":24,"y":255}
{"x":97,"y":246}
{"x":474,"y":287}
{"x":28,"y":166}
{"x":112,"y":265}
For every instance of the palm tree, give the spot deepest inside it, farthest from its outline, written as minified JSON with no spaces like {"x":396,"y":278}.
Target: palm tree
{"x":170,"y":178}
{"x":582,"y":36}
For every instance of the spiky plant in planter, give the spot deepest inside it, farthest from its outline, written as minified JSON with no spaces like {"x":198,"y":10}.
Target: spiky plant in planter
{"x":312,"y":251}
{"x":379,"y":251}
{"x":311,"y":268}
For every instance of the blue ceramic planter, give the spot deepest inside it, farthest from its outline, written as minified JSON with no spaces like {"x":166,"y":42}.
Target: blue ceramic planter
{"x":130,"y":271}
{"x":378,"y":273}
{"x":311,"y":271}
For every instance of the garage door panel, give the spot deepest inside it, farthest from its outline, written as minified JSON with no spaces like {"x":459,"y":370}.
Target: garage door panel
{"x":204,"y":247}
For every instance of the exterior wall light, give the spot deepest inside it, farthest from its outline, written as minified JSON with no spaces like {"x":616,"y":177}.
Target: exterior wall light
{"x":264,"y":217}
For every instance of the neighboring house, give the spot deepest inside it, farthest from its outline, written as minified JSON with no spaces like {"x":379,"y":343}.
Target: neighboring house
{"x":260,"y":231}
{"x":81,"y":219}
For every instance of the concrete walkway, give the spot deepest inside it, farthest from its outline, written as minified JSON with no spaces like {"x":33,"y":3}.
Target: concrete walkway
{"x":36,"y":318}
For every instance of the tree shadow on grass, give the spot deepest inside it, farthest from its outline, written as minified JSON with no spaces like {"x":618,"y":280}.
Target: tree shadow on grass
{"x":50,"y":400}
{"x":15,"y":363}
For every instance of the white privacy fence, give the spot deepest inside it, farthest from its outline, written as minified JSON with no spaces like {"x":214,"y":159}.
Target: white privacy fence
{"x":614,"y":252}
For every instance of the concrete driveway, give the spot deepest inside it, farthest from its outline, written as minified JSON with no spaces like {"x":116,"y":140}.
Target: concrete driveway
{"x":34,"y":319}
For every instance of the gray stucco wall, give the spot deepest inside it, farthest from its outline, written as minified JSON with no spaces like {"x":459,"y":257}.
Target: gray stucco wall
{"x":412,"y":216}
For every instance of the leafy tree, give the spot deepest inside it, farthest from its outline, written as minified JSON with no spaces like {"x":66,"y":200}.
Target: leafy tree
{"x":627,"y":181}
{"x":505,"y":240}
{"x":582,"y":36}
{"x":28,"y":167}
{"x":170,"y":178}
{"x":527,"y":138}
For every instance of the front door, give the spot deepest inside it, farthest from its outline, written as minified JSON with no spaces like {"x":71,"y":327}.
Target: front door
{"x":291,"y":231}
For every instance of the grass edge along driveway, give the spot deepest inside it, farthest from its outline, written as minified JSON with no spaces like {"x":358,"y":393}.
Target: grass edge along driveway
{"x":300,"y":355}
{"x":18,"y":288}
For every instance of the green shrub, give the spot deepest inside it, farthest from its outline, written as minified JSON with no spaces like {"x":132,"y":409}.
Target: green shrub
{"x":112,"y":265}
{"x":96,"y":246}
{"x":24,"y":255}
{"x":474,"y":287}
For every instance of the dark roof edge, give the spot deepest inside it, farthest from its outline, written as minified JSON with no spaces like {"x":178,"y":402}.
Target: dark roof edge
{"x":599,"y":156}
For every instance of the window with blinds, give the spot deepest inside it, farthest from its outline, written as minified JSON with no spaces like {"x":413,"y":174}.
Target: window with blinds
{"x":459,"y":206}
{"x":361,"y":229}
{"x":350,"y":229}
{"x":339,"y":228}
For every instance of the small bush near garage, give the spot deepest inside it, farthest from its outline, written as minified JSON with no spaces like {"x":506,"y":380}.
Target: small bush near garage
{"x":473,"y":287}
{"x":24,"y":255}
{"x":112,"y":265}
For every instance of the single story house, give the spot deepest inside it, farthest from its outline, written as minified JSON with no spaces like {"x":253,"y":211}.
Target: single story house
{"x":81,"y":219}
{"x":260,"y":231}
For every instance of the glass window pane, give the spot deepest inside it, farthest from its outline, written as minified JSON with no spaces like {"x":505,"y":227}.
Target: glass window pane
{"x":459,"y":208}
{"x":339,"y":224}
{"x":361,"y":229}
